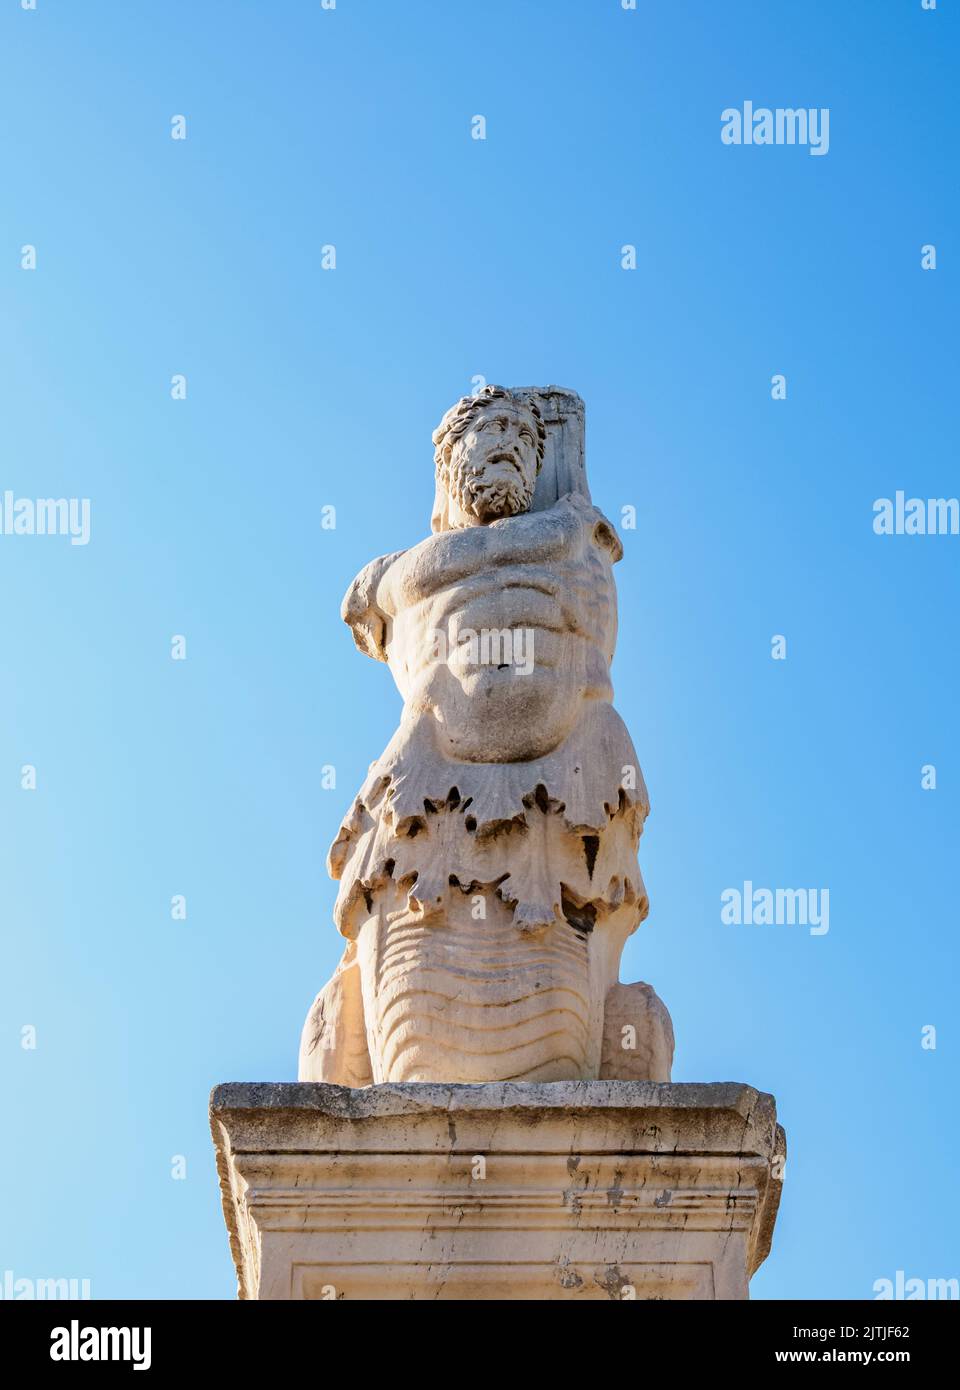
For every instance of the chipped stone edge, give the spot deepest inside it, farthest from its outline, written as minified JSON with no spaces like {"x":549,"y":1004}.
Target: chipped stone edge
{"x":260,"y":1108}
{"x":413,"y":1098}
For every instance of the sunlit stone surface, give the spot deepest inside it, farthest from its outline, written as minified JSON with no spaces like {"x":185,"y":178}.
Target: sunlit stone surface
{"x":567,"y":1190}
{"x":488,"y":867}
{"x":484,"y":1110}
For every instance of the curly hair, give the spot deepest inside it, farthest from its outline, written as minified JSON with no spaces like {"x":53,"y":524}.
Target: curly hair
{"x":458,"y":418}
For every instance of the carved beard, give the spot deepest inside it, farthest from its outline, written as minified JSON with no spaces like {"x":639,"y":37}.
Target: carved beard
{"x":486,"y":498}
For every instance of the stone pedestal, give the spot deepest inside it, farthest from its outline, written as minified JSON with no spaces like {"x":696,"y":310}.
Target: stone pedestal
{"x":558,"y":1190}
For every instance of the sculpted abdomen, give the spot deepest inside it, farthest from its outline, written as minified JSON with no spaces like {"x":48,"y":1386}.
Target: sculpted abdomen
{"x":501,"y":670}
{"x":499,"y":608}
{"x":524,"y":717}
{"x":503,"y":659}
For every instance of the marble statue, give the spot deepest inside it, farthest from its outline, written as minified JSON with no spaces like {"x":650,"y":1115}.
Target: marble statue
{"x":488,"y":866}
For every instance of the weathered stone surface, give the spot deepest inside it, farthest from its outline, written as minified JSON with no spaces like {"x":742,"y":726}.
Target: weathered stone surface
{"x":488,"y":867}
{"x":484,"y":1110}
{"x":557,"y":1190}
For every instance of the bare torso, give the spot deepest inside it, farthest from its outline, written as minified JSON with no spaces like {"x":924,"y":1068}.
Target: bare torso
{"x":501,"y":632}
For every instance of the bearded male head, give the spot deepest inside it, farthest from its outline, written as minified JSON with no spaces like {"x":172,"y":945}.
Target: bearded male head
{"x":488,"y":453}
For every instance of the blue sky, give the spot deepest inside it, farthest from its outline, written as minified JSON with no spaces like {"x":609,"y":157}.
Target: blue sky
{"x":306,"y":388}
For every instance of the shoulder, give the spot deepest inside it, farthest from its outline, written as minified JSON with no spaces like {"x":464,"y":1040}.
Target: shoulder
{"x":603,"y":533}
{"x":361,"y":611}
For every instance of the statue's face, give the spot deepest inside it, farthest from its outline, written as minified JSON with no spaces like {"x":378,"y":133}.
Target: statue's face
{"x":493,"y":466}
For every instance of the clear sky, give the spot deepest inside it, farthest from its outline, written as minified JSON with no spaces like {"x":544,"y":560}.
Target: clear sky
{"x":307,"y":388}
